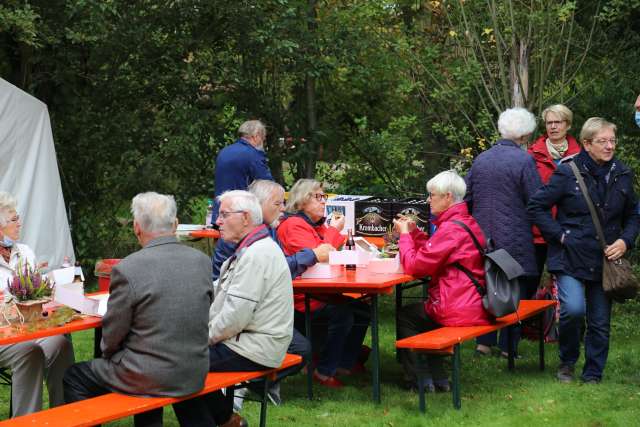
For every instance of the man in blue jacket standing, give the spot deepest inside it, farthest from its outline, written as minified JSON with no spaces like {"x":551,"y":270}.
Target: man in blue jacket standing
{"x":237,"y":166}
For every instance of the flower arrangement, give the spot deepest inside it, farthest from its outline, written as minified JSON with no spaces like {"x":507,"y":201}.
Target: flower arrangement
{"x":29,"y":284}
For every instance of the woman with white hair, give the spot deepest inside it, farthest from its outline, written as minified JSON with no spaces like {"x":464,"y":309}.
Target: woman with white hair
{"x":448,"y":257}
{"x":499,"y":185}
{"x":29,"y":361}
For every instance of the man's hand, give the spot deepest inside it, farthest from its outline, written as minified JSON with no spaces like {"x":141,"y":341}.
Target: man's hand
{"x":615,"y":250}
{"x":322,"y":252}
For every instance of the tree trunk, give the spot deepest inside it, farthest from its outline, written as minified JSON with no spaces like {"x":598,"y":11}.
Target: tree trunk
{"x":309,"y":166}
{"x":519,"y":74}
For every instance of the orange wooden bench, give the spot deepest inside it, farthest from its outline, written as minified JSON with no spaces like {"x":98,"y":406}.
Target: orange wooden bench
{"x":447,"y":340}
{"x":113,"y":406}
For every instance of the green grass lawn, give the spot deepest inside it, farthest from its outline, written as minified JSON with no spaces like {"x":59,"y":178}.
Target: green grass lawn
{"x":491,"y":395}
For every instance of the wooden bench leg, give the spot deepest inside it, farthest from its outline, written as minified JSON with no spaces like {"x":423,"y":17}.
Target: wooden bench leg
{"x":541,"y":339}
{"x":455,"y":377}
{"x":375,"y":349}
{"x":422,"y":401}
{"x":398,"y":290}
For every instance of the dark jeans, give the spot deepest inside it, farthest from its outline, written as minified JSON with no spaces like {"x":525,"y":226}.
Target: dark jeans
{"x":221,"y":253}
{"x":81,"y":383}
{"x":578,"y":298}
{"x":528,"y":288}
{"x":345,"y":331}
{"x":413,"y":320}
{"x":223,"y":359}
{"x":301,"y":346}
{"x":541,"y":257}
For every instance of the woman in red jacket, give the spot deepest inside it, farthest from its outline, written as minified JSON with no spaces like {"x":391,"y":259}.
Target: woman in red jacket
{"x":304,"y":228}
{"x":453,"y":298}
{"x":547,"y":151}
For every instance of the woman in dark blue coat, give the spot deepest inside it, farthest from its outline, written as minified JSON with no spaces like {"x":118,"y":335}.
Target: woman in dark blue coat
{"x":499,"y":185}
{"x":575,"y":254}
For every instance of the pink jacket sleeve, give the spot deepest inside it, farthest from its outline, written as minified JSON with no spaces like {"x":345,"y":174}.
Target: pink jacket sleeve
{"x":424,"y":257}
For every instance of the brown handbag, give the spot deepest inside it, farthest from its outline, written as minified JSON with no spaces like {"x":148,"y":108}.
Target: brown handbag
{"x":618,"y":280}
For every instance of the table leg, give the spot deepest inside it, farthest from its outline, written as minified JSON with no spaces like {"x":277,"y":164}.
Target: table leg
{"x":541,"y":339}
{"x":307,"y":326}
{"x":510,"y":350}
{"x":375,"y":350}
{"x":97,"y":337}
{"x":398,"y":290}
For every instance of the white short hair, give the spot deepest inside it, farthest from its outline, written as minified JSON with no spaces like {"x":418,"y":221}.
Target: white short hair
{"x":515,"y":123}
{"x":252,"y":128}
{"x":243,"y":201}
{"x":154,"y":213}
{"x":8,"y":204}
{"x":448,"y":182}
{"x":263,"y":189}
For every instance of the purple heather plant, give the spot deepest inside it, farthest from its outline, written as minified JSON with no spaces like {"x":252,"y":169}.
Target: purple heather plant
{"x":28,"y":283}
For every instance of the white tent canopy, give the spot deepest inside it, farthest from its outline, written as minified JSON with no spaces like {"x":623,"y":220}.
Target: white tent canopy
{"x":29,"y":171}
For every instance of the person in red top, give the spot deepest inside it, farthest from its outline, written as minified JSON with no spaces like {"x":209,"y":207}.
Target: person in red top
{"x":547,"y":151}
{"x":304,"y":227}
{"x":453,"y":298}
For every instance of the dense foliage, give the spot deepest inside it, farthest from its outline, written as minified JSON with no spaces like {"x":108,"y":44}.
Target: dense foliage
{"x":372,"y":97}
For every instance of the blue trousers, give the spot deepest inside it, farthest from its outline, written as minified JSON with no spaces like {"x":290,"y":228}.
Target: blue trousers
{"x":577,"y":299}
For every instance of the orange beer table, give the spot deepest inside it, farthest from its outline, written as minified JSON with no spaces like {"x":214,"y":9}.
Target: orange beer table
{"x":360,"y":281}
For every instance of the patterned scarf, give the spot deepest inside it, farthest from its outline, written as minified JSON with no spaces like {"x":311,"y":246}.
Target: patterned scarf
{"x":557,"y":151}
{"x":6,"y":253}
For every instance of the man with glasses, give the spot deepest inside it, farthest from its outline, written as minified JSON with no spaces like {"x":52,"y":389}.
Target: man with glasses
{"x":251,"y":318}
{"x":237,"y":166}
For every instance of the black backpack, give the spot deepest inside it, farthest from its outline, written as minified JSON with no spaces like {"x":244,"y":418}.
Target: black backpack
{"x":502,"y":293}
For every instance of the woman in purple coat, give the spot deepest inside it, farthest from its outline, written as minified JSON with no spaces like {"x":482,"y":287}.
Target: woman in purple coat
{"x":499,"y":185}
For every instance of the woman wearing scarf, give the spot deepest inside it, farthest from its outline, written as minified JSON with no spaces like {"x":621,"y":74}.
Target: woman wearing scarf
{"x":304,"y":228}
{"x":575,"y":254}
{"x":548,"y":150}
{"x":29,"y":361}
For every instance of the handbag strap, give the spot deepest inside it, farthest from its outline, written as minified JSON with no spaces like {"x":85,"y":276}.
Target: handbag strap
{"x":587,"y":198}
{"x":482,"y":291}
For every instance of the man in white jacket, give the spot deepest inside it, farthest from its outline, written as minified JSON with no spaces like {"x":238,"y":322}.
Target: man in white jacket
{"x":251,"y":318}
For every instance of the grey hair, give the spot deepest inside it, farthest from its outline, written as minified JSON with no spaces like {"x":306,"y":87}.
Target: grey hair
{"x":263,"y":189}
{"x":448,"y":182}
{"x":8,"y":203}
{"x":560,"y":110}
{"x":154,"y":213}
{"x":300,"y":193}
{"x":514,"y":123}
{"x":244,"y":201}
{"x":592,"y":126}
{"x":252,"y":128}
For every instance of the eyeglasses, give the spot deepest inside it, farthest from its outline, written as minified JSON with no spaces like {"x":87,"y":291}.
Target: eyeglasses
{"x":321,"y":197}
{"x":554,"y":122}
{"x":225,"y":214}
{"x":612,"y":141}
{"x":15,"y":218}
{"x":432,"y":195}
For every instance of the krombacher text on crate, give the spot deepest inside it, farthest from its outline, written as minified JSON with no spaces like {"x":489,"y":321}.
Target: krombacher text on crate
{"x":373,"y":216}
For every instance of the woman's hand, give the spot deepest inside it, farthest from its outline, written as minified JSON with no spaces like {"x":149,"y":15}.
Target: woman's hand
{"x":615,"y":250}
{"x":638,"y":103}
{"x":337,"y":221}
{"x":322,"y":252}
{"x":404,"y":224}
{"x":43,"y":264}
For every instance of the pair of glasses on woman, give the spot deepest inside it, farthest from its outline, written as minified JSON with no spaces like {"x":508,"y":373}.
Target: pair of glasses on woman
{"x":321,"y":197}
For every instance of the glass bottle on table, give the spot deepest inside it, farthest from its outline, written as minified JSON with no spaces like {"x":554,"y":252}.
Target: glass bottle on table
{"x":350,"y":245}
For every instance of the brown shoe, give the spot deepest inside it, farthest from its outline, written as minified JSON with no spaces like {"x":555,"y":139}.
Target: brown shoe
{"x":236,"y":421}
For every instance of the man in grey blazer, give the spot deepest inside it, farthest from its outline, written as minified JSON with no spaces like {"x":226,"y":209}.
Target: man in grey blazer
{"x":155,"y":332}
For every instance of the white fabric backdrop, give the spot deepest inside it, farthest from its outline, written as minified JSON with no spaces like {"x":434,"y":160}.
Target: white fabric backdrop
{"x":29,"y":170}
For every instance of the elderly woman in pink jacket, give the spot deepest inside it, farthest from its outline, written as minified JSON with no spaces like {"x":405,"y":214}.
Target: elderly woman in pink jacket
{"x":453,"y":298}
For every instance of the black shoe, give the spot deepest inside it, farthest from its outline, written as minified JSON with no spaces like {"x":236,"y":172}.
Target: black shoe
{"x":443,"y":387}
{"x":565,"y":374}
{"x":591,"y":381}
